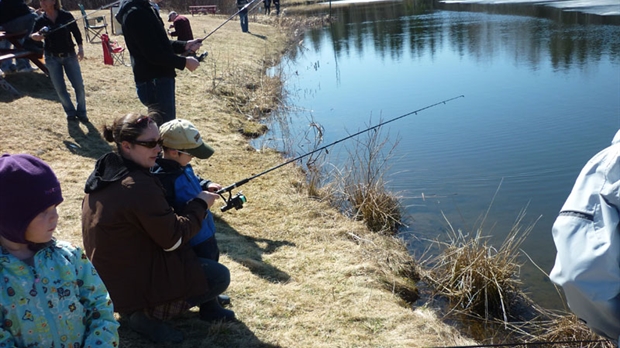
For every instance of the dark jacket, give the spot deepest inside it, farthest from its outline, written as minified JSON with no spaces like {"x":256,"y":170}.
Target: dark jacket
{"x":182,"y":28}
{"x":181,"y":185}
{"x":127,"y":226}
{"x":59,"y":41}
{"x":12,"y":9}
{"x":153,"y":55}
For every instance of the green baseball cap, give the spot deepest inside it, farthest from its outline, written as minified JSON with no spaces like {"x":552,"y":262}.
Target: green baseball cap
{"x":182,"y":135}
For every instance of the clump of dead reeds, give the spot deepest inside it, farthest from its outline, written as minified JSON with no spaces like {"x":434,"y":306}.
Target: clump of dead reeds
{"x":562,"y":329}
{"x":477,"y":278}
{"x":374,"y":205}
{"x":364,"y":186}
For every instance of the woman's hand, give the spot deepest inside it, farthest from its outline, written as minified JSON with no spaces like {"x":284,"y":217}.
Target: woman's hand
{"x":80,"y":53}
{"x":208,"y":197}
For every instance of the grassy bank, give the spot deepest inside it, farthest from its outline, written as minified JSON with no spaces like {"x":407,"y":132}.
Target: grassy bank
{"x":302,"y":274}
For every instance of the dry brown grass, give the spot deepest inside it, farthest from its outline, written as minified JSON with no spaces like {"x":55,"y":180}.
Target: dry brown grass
{"x":560,"y":329}
{"x":567,"y":328}
{"x":302,"y":274}
{"x":477,"y":278}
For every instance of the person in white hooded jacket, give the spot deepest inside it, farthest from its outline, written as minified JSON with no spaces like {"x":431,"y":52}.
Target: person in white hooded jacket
{"x":587,"y":237}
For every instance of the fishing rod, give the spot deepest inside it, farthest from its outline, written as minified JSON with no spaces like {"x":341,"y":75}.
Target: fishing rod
{"x":238,"y":200}
{"x":202,"y":56}
{"x":46,"y":30}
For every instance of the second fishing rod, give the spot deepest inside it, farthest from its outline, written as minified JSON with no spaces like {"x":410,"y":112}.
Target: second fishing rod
{"x":202,"y":56}
{"x":46,"y":31}
{"x":239,"y":199}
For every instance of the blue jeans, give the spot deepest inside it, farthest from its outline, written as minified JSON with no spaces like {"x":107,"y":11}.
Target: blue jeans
{"x":14,"y":26}
{"x":218,"y":277}
{"x":158,"y":96}
{"x":208,"y":249}
{"x":243,"y":17}
{"x":71,"y":67}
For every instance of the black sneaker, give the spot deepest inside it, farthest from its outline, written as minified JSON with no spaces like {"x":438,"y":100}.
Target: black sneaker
{"x":212,"y":311}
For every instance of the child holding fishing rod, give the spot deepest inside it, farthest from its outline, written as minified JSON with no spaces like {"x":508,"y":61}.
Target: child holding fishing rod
{"x":181,"y":143}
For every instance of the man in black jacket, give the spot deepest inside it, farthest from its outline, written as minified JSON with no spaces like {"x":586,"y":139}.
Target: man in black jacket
{"x":154,"y":57}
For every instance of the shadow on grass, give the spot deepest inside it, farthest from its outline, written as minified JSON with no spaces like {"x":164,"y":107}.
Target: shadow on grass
{"x":248,"y":251}
{"x":263,"y":37}
{"x":198,"y":334}
{"x":87,"y":144}
{"x":33,"y":84}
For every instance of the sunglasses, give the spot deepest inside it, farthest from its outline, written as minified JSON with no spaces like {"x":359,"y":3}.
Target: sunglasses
{"x":143,"y":121}
{"x":149,"y":144}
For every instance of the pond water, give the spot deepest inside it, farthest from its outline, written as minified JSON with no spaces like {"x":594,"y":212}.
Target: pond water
{"x":541,"y":97}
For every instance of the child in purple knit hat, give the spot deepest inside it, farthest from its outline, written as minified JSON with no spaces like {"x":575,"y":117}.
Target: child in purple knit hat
{"x":50,"y":294}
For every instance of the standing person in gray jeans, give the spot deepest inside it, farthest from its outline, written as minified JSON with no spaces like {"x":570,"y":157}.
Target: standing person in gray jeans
{"x":60,"y":55}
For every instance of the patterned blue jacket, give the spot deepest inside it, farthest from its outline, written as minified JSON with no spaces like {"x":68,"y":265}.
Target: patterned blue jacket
{"x":60,"y":301}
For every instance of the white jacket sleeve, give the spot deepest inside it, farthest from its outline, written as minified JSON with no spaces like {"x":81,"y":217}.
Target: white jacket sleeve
{"x":587,"y":237}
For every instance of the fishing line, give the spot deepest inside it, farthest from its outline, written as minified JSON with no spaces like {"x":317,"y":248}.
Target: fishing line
{"x":238,"y":200}
{"x":49,"y":31}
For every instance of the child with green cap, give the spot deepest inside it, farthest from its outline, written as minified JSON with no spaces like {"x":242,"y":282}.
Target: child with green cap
{"x":181,"y":143}
{"x":51,"y":295}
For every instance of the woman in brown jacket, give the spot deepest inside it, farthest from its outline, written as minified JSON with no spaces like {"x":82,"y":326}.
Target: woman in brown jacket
{"x":137,"y":242}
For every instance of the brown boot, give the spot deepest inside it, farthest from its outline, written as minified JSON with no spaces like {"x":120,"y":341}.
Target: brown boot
{"x":154,"y":329}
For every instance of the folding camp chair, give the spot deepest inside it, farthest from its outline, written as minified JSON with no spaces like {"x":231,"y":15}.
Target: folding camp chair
{"x":93,"y":26}
{"x":112,"y":51}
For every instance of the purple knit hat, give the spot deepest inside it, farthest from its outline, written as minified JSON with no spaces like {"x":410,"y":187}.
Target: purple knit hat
{"x":28,"y":186}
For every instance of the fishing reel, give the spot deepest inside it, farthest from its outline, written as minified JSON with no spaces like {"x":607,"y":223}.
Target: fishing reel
{"x":199,"y":57}
{"x":44,"y":31}
{"x":235,"y":201}
{"x":202,"y":56}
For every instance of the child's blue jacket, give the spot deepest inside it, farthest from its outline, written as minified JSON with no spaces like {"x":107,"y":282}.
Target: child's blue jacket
{"x":60,"y":301}
{"x":182,"y":185}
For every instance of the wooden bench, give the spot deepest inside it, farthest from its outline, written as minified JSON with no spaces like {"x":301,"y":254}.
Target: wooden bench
{"x":17,"y":52}
{"x":18,"y":49}
{"x":204,"y":9}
